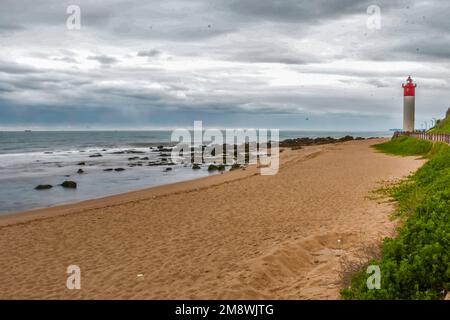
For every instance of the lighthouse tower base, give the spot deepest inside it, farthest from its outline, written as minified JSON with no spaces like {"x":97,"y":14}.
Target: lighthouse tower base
{"x":408,"y":113}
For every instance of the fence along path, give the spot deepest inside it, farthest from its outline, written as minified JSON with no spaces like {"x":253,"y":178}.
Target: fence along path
{"x":442,"y":137}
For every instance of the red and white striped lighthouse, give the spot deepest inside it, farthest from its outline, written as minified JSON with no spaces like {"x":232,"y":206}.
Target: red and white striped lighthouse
{"x":409,"y":104}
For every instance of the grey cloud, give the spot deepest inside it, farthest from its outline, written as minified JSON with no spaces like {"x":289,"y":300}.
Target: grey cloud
{"x":4,"y":87}
{"x":273,"y":55}
{"x":104,"y":59}
{"x":149,"y":53}
{"x":425,"y":49}
{"x":66,"y":59}
{"x":6,"y":27}
{"x":15,"y":68}
{"x":301,"y":11}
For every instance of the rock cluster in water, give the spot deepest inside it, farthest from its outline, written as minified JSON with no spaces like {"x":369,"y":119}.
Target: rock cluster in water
{"x":165,"y":157}
{"x":43,"y":187}
{"x":69,"y":184}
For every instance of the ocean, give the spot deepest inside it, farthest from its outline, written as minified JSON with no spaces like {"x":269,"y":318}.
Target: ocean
{"x":28,"y":159}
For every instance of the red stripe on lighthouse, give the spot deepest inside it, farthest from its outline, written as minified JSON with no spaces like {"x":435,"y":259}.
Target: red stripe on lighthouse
{"x":409,"y":89}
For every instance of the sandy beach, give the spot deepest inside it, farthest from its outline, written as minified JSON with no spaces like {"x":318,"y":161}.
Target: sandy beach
{"x":238,"y":235}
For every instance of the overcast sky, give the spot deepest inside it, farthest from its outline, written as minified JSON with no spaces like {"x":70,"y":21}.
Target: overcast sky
{"x":289,"y":64}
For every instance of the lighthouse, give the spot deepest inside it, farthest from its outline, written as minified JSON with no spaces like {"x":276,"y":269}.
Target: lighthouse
{"x":408,"y":105}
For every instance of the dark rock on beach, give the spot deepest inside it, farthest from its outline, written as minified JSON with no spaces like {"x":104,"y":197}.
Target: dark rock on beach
{"x":235,"y":166}
{"x":133,"y":158}
{"x":300,"y":142}
{"x":69,"y":184}
{"x":346,"y":138}
{"x":108,"y":169}
{"x":43,"y":187}
{"x":135,"y":164}
{"x":128,"y":152}
{"x":97,"y":155}
{"x":196,"y":167}
{"x":162,"y":149}
{"x":80,"y":171}
{"x":167,"y":169}
{"x":213,"y":167}
{"x":119,"y":169}
{"x":134,"y":152}
{"x":81,"y":163}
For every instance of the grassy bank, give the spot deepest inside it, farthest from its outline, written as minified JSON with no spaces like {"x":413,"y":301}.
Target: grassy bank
{"x":405,"y":146}
{"x":416,"y":263}
{"x":442,"y":127}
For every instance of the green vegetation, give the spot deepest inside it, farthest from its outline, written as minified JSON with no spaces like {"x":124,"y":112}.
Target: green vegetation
{"x":443,"y":126}
{"x":405,"y":146}
{"x":415,"y":264}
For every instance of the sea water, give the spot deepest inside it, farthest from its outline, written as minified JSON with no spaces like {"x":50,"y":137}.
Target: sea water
{"x":28,"y":159}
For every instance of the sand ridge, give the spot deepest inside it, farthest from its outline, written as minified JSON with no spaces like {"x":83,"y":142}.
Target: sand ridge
{"x":237,"y":235}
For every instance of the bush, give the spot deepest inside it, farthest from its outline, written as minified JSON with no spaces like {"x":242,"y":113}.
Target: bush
{"x":416,"y":264}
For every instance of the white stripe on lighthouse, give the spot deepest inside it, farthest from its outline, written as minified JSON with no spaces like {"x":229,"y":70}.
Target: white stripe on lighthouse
{"x":408,"y":113}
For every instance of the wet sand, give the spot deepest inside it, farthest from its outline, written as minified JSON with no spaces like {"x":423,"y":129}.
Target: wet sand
{"x":238,"y":235}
